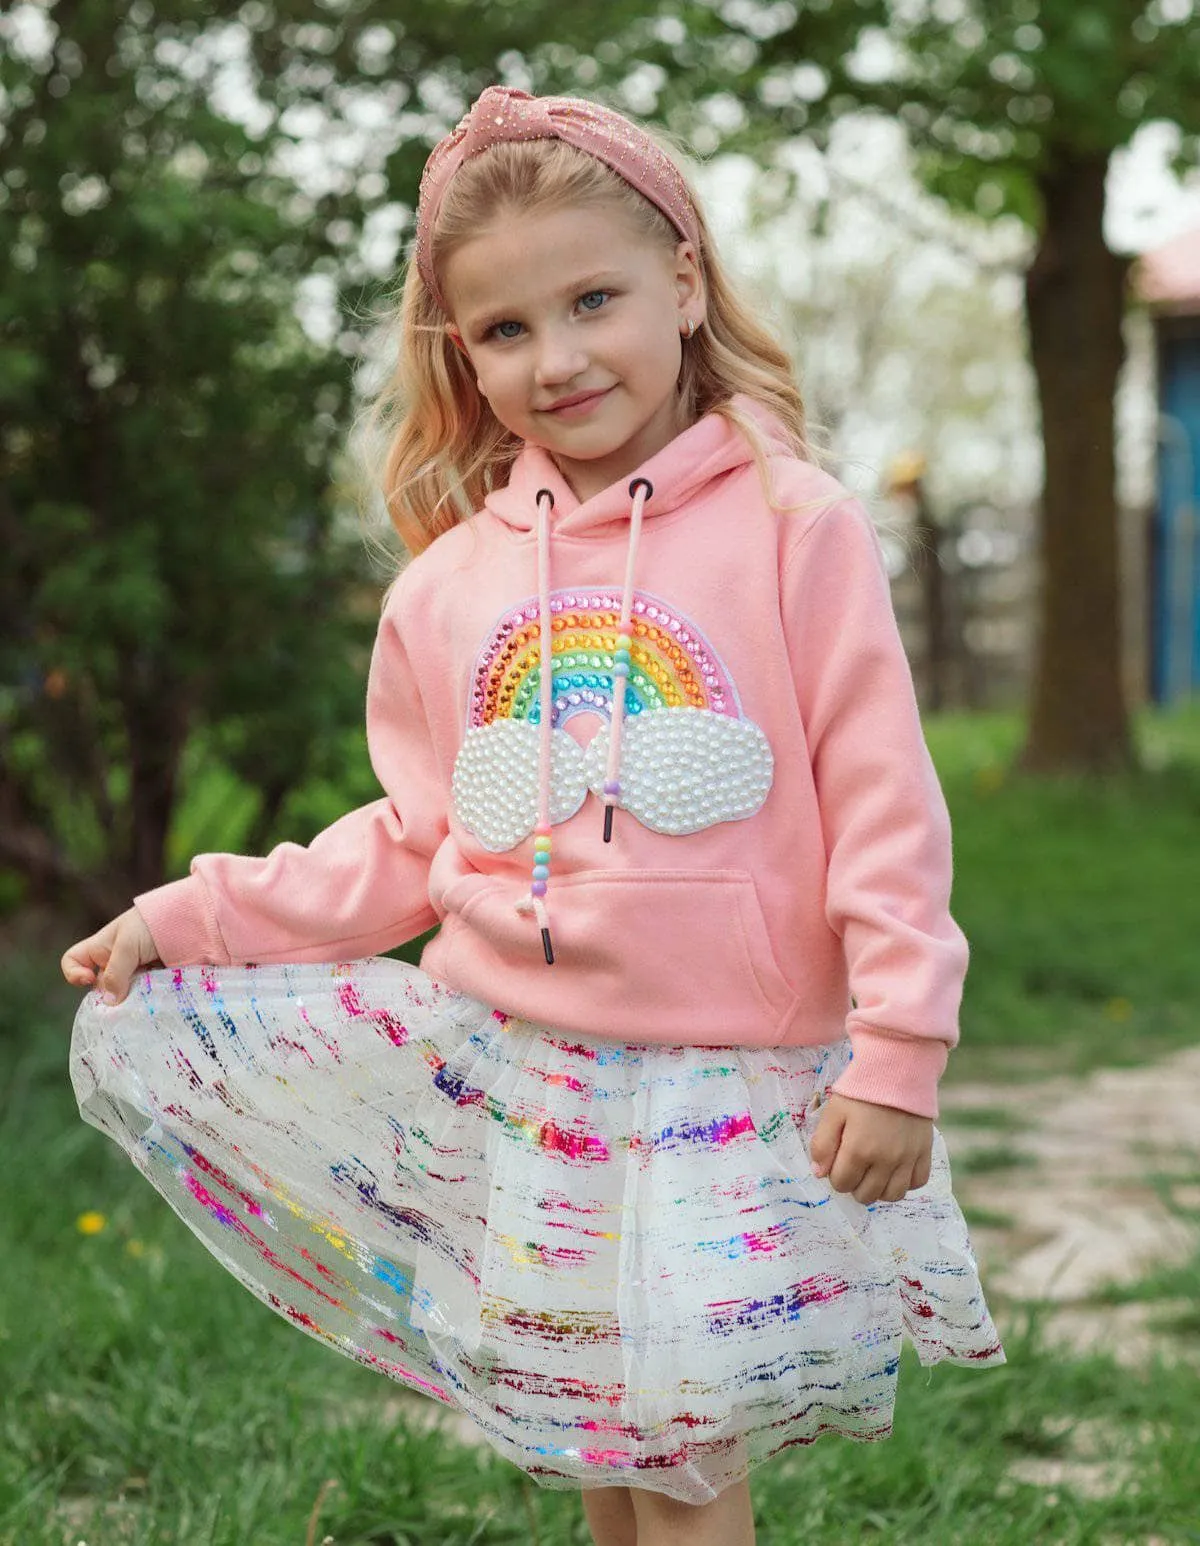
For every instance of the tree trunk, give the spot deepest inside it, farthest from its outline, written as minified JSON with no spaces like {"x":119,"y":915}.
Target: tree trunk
{"x":1074,"y":302}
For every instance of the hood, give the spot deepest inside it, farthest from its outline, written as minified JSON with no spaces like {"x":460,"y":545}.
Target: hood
{"x":710,"y":449}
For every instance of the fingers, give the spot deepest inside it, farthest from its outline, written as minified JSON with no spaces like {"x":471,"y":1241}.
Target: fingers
{"x":872,"y":1152}
{"x":874,"y":1183}
{"x":78,"y":968}
{"x":898,"y":1185}
{"x":863,"y":1181}
{"x":823,"y":1147}
{"x":849,"y":1170}
{"x":879,"y":1183}
{"x":122,"y":963}
{"x":82,"y":964}
{"x":108,"y":959}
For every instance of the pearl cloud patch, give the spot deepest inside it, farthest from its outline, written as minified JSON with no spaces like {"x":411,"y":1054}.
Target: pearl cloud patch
{"x":688,"y":757}
{"x":495,"y":783}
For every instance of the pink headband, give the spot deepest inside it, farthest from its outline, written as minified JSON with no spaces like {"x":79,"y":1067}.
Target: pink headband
{"x":501,"y":114}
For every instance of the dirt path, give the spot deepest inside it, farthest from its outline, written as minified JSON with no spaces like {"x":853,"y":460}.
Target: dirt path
{"x":1104,"y":1188}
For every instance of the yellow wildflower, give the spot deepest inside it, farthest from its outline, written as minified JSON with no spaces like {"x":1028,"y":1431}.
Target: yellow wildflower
{"x":90,"y":1223}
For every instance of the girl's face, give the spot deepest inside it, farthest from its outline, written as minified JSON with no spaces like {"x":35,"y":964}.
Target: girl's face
{"x":572,"y":321}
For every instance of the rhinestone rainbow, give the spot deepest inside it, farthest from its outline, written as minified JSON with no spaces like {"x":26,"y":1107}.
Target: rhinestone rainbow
{"x":666,"y":661}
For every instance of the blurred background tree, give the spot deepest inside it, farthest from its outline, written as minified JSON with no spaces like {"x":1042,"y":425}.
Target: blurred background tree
{"x":180,"y":579}
{"x":1018,"y":107}
{"x":173,"y":570}
{"x":1013,"y":107}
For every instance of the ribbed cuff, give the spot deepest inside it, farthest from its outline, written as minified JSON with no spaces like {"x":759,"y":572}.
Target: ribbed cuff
{"x":893,"y":1070}
{"x":182,"y":923}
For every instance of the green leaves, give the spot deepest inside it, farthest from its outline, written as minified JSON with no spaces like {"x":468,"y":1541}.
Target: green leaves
{"x":170,"y":558}
{"x":990,"y":94}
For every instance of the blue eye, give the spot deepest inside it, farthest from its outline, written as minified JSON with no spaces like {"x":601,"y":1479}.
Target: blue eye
{"x":500,"y":326}
{"x":597,"y":296}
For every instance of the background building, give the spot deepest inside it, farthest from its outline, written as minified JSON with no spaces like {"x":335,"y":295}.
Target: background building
{"x":1168,"y":281}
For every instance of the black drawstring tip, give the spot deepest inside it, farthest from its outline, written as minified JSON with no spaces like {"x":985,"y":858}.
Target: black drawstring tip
{"x":547,"y":947}
{"x":608,"y":816}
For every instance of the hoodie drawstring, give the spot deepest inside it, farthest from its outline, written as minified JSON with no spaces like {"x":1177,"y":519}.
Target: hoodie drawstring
{"x":640,"y":491}
{"x":541,"y":833}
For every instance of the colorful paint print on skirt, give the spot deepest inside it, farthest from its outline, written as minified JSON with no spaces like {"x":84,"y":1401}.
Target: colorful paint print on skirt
{"x":614,"y":1258}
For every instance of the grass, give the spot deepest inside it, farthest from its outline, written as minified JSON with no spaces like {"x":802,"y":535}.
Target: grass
{"x":1079,"y":900}
{"x":986,"y":1161}
{"x":1002,"y":1119}
{"x":1174,"y":1295}
{"x":146,"y":1398}
{"x":978,"y":1217}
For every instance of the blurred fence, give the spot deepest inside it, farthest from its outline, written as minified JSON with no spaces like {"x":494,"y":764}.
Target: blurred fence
{"x":970,"y":631}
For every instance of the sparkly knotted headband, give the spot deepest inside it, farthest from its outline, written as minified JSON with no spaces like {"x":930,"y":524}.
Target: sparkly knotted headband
{"x":501,"y":114}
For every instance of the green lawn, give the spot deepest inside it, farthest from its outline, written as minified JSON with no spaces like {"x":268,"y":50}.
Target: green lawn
{"x":1080,"y":901}
{"x":146,"y":1398}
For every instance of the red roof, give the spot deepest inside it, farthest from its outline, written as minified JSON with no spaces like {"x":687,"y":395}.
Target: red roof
{"x":1169,"y":277}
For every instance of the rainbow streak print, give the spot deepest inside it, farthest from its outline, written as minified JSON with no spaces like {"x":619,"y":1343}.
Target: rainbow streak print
{"x":614,"y":1259}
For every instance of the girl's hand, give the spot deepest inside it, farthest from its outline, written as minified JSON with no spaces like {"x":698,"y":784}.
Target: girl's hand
{"x":109,"y":959}
{"x":877,"y":1153}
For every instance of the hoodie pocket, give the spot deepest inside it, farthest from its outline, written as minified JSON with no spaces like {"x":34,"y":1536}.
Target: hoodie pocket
{"x":679,"y":955}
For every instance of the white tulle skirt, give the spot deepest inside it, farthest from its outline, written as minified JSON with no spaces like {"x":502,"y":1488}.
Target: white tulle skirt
{"x":614,"y":1258}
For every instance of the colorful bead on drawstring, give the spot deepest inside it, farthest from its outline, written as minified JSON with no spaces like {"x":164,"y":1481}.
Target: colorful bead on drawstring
{"x":541,"y":874}
{"x":541,"y":859}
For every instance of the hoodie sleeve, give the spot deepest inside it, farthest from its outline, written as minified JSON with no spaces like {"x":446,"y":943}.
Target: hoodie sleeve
{"x":883,"y":814}
{"x":360,"y":886}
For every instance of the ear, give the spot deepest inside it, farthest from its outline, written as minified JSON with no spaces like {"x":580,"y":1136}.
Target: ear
{"x":689,"y":283}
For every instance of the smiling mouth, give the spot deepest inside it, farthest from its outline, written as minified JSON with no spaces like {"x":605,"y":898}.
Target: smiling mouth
{"x":579,"y":404}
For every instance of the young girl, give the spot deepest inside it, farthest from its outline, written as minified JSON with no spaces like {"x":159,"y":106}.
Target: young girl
{"x":638,"y":1169}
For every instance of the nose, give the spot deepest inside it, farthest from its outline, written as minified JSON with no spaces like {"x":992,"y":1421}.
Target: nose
{"x":559,"y":357}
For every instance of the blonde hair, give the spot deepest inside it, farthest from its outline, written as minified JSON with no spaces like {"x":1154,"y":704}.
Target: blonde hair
{"x":441,"y":449}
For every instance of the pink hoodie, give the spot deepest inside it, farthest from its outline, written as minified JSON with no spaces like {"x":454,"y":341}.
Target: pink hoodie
{"x":780,"y":863}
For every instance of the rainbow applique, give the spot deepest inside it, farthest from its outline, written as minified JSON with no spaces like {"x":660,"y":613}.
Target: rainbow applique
{"x":673,"y":664}
{"x":689,"y":759}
